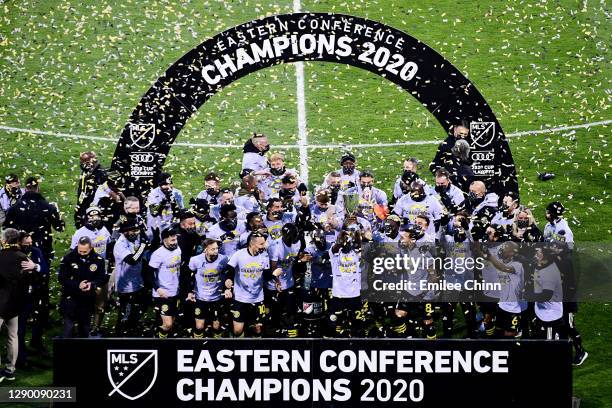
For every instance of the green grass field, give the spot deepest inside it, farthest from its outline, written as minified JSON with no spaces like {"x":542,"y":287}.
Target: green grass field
{"x":81,"y":67}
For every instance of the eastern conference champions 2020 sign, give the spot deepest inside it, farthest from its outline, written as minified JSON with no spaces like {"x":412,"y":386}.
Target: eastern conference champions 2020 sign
{"x":161,"y":114}
{"x":317,"y":372}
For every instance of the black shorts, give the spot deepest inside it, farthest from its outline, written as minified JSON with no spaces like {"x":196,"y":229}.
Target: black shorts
{"x":418,"y":309}
{"x":253,"y":313}
{"x":208,"y":311}
{"x":487,"y":305}
{"x":166,"y":306}
{"x":550,"y":330}
{"x":343,"y":305}
{"x":507,"y":321}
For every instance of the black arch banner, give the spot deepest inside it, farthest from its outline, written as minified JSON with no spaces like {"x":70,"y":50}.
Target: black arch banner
{"x":163,"y":111}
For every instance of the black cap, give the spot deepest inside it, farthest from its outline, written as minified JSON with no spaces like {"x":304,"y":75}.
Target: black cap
{"x":32,"y":182}
{"x":347,"y":156}
{"x":129,"y":224}
{"x":200,"y":206}
{"x":184,"y":214}
{"x":11,"y":178}
{"x":555,"y":209}
{"x":169,"y":231}
{"x":244,"y":172}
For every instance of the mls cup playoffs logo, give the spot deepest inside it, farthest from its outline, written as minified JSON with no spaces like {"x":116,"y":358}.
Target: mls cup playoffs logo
{"x":131,"y":373}
{"x":142,"y":135}
{"x":482,"y":133}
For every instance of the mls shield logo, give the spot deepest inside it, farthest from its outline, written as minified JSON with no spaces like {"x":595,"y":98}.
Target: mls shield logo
{"x":482,"y":133}
{"x":131,"y":373}
{"x":142,"y":135}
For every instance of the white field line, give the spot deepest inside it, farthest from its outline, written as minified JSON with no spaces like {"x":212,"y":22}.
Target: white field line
{"x":11,"y":129}
{"x":301,"y":112}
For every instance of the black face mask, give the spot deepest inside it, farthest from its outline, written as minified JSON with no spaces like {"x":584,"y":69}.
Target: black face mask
{"x":228,"y":224}
{"x":334,"y":193}
{"x":417,"y":195}
{"x":277,"y":215}
{"x":14,"y":192}
{"x":132,"y":237}
{"x":171,"y":247}
{"x":285,"y":194}
{"x":211,"y":191}
{"x":278,"y":172}
{"x":522,"y":223}
{"x":212,"y":258}
{"x":86,"y":167}
{"x":94,"y":224}
{"x":442,"y":189}
{"x":260,"y":251}
{"x":190,"y":231}
{"x":474,"y":199}
{"x":348,"y":170}
{"x":459,"y":235}
{"x":364,"y":186}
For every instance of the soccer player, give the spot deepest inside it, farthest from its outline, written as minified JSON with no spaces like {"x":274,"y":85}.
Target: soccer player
{"x":416,"y":203}
{"x":276,"y":217}
{"x":163,"y":205}
{"x":166,"y":264}
{"x":270,"y":186}
{"x":254,"y":157}
{"x":511,"y":278}
{"x":227,"y":230}
{"x":558,"y":232}
{"x":203,"y":220}
{"x":345,"y":307}
{"x":449,"y":195}
{"x":281,"y":299}
{"x":212,"y":190}
{"x":131,"y":210}
{"x":323,"y":214}
{"x":548,"y":296}
{"x":247,"y":271}
{"x":128,"y":252}
{"x":349,"y":175}
{"x":390,"y":231}
{"x":333,"y":182}
{"x":370,"y":197}
{"x":208,"y":269}
{"x":507,"y":212}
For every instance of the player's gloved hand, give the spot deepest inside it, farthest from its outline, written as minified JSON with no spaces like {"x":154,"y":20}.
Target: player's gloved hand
{"x":190,"y":297}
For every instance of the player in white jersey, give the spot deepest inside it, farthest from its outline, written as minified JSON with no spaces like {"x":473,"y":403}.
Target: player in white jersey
{"x":247,"y":271}
{"x":558,"y":232}
{"x":349,"y":175}
{"x":228,"y":230}
{"x":507,"y":212}
{"x":165,"y":263}
{"x":548,"y":296}
{"x":163,"y":205}
{"x":416,"y":203}
{"x":511,"y":278}
{"x":345,"y":311}
{"x":128,"y":253}
{"x":209,"y":287}
{"x":212,"y":191}
{"x":449,"y":195}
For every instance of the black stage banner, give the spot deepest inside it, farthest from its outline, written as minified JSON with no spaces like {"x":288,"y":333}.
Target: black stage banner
{"x":451,"y":98}
{"x":316,"y":372}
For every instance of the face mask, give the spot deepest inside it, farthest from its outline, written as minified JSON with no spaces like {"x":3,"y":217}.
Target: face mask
{"x":211,"y":191}
{"x":277,"y":215}
{"x":522,"y":223}
{"x":474,"y":199}
{"x":260,"y":251}
{"x":278,"y":172}
{"x":348,"y":170}
{"x":171,"y":247}
{"x":14,"y":191}
{"x":190,"y":230}
{"x":459,"y":235}
{"x":364,"y":186}
{"x":417,"y":195}
{"x":132,"y":237}
{"x":94,"y":224}
{"x":212,"y":258}
{"x":26,"y":249}
{"x":442,"y":189}
{"x":86,"y":166}
{"x":228,"y":224}
{"x":284,"y":194}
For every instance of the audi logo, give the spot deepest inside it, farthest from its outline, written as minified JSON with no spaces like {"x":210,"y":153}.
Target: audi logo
{"x":483,"y":156}
{"x":142,"y":157}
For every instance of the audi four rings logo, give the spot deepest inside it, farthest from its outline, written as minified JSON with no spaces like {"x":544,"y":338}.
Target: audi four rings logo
{"x":483,"y":156}
{"x":142,"y":157}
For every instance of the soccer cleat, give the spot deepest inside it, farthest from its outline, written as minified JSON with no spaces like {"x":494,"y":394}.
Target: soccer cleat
{"x":580,"y":357}
{"x":6,"y":375}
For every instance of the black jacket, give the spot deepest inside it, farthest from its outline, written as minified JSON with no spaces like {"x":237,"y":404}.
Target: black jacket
{"x":13,"y":285}
{"x":74,"y":269}
{"x":86,"y":190}
{"x":35,"y":215}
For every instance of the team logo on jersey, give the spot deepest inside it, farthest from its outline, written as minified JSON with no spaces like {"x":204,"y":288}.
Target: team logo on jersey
{"x":142,"y":134}
{"x":93,"y":267}
{"x":236,"y":314}
{"x":131,"y":373}
{"x":197,"y":311}
{"x":165,"y":308}
{"x":482,"y":133}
